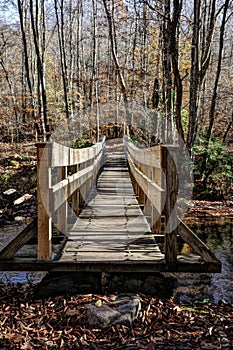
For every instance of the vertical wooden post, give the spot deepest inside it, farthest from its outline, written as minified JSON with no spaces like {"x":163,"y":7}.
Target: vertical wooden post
{"x":62,"y":211}
{"x":156,"y":221}
{"x":44,"y":217}
{"x":156,"y":176}
{"x":141,"y":196}
{"x":170,"y":171}
{"x":75,"y":203}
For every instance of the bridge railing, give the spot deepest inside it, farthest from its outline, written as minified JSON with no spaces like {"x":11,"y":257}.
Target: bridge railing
{"x":63,"y":174}
{"x":155,"y":180}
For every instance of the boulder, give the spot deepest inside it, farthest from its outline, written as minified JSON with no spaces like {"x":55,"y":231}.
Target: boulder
{"x":124,"y":310}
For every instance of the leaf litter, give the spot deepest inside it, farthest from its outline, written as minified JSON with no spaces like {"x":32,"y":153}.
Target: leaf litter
{"x":62,"y":323}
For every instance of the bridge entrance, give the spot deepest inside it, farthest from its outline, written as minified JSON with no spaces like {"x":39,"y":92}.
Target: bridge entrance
{"x":121,"y":198}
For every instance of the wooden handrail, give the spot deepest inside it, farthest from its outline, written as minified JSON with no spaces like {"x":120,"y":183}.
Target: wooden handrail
{"x":150,"y":188}
{"x":155,"y":174}
{"x":61,"y":191}
{"x":53,"y":197}
{"x":154,"y":171}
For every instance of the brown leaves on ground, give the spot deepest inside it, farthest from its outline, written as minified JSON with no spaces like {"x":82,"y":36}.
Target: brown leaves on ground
{"x":215,"y":210}
{"x":61,"y":323}
{"x":17,"y":171}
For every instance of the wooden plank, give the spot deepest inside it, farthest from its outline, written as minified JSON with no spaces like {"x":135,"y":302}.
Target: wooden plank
{"x":151,"y":157}
{"x":107,"y":266}
{"x":44,"y":216}
{"x":66,"y":156}
{"x":19,"y":241}
{"x":62,"y":210}
{"x":60,"y":155}
{"x":195,"y":243}
{"x":60,"y":192}
{"x":170,"y":213}
{"x":150,"y":189}
{"x":74,"y":195}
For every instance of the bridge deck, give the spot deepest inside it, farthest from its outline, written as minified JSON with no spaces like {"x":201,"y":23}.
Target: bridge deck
{"x":112,"y":226}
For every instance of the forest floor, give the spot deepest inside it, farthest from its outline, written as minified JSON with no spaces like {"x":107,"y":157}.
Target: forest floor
{"x":62,"y":322}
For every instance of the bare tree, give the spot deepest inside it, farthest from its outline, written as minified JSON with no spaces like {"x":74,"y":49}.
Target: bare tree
{"x":112,"y":36}
{"x":59,"y":11}
{"x":218,"y":72}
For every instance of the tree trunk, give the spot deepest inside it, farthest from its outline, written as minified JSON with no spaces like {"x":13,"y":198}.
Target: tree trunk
{"x":113,"y":42}
{"x":194,"y":77}
{"x":40,"y":64}
{"x":218,"y":72}
{"x":61,"y":41}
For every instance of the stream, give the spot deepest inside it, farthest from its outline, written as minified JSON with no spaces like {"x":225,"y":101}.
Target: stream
{"x":217,"y":233}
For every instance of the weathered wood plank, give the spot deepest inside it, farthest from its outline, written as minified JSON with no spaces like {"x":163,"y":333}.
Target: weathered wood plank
{"x":169,"y":169}
{"x":151,"y":157}
{"x":62,"y":210}
{"x":66,"y":187}
{"x":44,"y":216}
{"x":19,"y":241}
{"x":153,"y":191}
{"x":66,"y":156}
{"x":114,"y":266}
{"x":195,"y":243}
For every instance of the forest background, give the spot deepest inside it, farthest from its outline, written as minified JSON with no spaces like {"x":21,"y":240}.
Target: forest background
{"x":88,"y":60}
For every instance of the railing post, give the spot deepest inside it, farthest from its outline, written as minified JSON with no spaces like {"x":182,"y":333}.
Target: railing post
{"x":44,"y":217}
{"x":170,"y":171}
{"x":62,"y":211}
{"x":75,"y":199}
{"x":156,"y":177}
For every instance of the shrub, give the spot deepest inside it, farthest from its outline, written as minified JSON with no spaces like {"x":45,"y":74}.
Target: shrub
{"x":212,"y":169}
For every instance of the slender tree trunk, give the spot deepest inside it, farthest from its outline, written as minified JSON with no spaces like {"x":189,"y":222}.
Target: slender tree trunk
{"x":194,"y":76}
{"x":40,"y":65}
{"x":94,"y":67}
{"x":61,"y":41}
{"x":218,"y":72}
{"x":113,"y":42}
{"x":174,"y":38}
{"x":12,"y":95}
{"x":229,"y":126}
{"x":26,"y":63}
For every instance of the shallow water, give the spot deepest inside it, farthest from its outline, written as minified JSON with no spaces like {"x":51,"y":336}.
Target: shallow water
{"x":216,"y":233}
{"x":6,"y":235}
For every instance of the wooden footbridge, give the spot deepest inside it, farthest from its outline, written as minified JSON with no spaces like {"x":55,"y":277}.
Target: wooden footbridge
{"x":111,"y":206}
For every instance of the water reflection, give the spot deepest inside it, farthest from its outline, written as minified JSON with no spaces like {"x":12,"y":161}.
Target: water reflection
{"x":218,"y":236}
{"x":7,"y":233}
